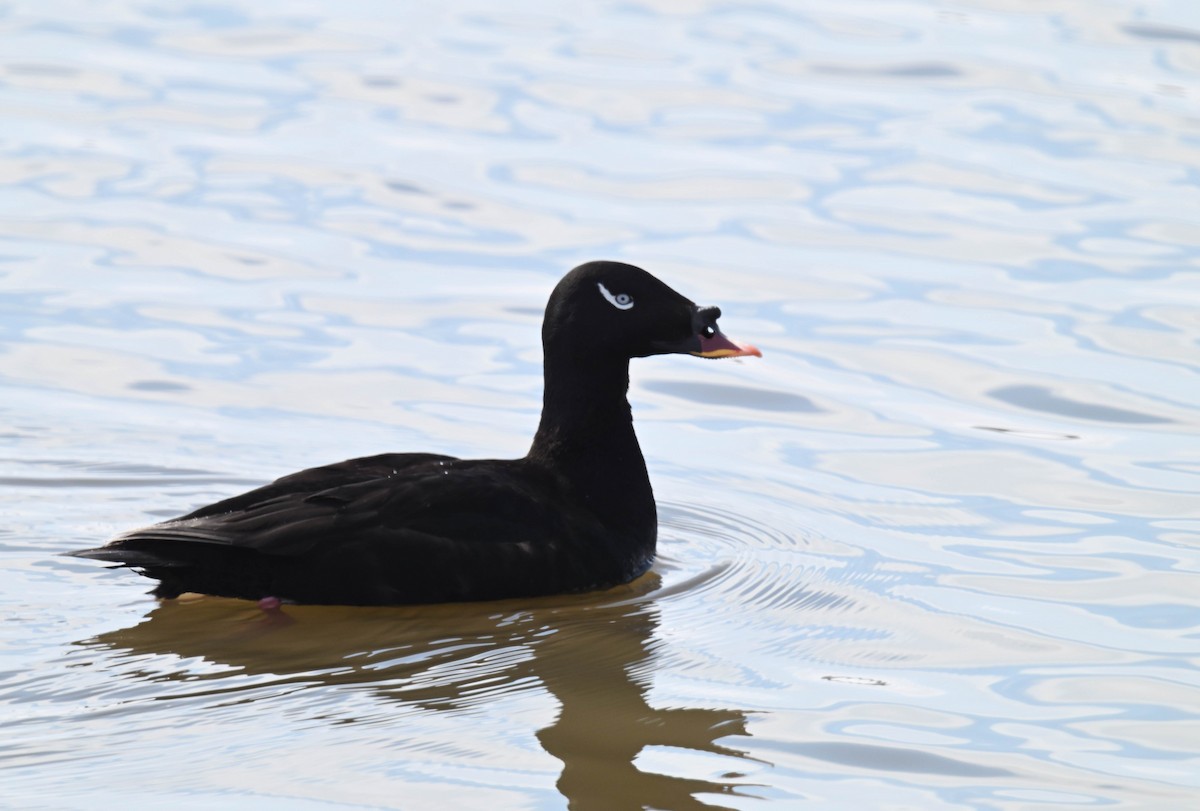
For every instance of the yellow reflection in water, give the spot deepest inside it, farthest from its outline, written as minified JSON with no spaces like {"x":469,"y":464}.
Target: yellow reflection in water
{"x":594,"y":653}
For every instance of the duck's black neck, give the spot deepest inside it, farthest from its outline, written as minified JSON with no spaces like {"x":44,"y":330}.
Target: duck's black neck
{"x":586,"y":435}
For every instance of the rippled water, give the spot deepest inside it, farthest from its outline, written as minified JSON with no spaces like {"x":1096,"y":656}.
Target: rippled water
{"x":937,"y":550}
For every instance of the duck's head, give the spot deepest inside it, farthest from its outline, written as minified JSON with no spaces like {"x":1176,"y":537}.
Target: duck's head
{"x":611,"y":310}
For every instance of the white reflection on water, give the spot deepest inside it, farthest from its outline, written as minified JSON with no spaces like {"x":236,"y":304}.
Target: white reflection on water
{"x":938,"y":549}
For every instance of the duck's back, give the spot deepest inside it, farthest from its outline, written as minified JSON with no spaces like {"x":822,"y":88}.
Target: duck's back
{"x":394,"y":528}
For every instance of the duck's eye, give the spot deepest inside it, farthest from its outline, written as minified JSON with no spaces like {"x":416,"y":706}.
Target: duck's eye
{"x":709,"y":331}
{"x":622,"y":301}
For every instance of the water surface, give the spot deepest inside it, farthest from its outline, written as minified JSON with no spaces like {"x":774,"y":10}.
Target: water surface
{"x":937,"y":550}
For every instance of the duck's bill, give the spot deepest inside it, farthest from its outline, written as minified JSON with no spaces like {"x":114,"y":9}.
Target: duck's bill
{"x":721,"y":346}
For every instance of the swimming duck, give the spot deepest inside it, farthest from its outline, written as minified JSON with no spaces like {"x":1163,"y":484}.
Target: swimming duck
{"x":576,"y":513}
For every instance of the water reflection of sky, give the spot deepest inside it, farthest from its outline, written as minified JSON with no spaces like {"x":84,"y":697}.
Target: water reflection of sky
{"x":937,"y":549}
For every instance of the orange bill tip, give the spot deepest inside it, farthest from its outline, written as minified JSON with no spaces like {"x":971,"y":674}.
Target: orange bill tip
{"x":720,"y":346}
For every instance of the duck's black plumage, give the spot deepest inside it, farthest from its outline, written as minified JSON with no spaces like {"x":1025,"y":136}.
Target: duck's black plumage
{"x":576,"y":513}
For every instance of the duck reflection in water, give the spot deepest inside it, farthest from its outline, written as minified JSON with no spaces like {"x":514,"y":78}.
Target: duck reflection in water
{"x":594,"y":653}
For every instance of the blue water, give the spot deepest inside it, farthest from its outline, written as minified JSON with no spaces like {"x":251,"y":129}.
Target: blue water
{"x":938,"y":549}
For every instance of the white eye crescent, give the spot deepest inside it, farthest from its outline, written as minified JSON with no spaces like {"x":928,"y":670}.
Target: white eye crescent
{"x":622,"y":301}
